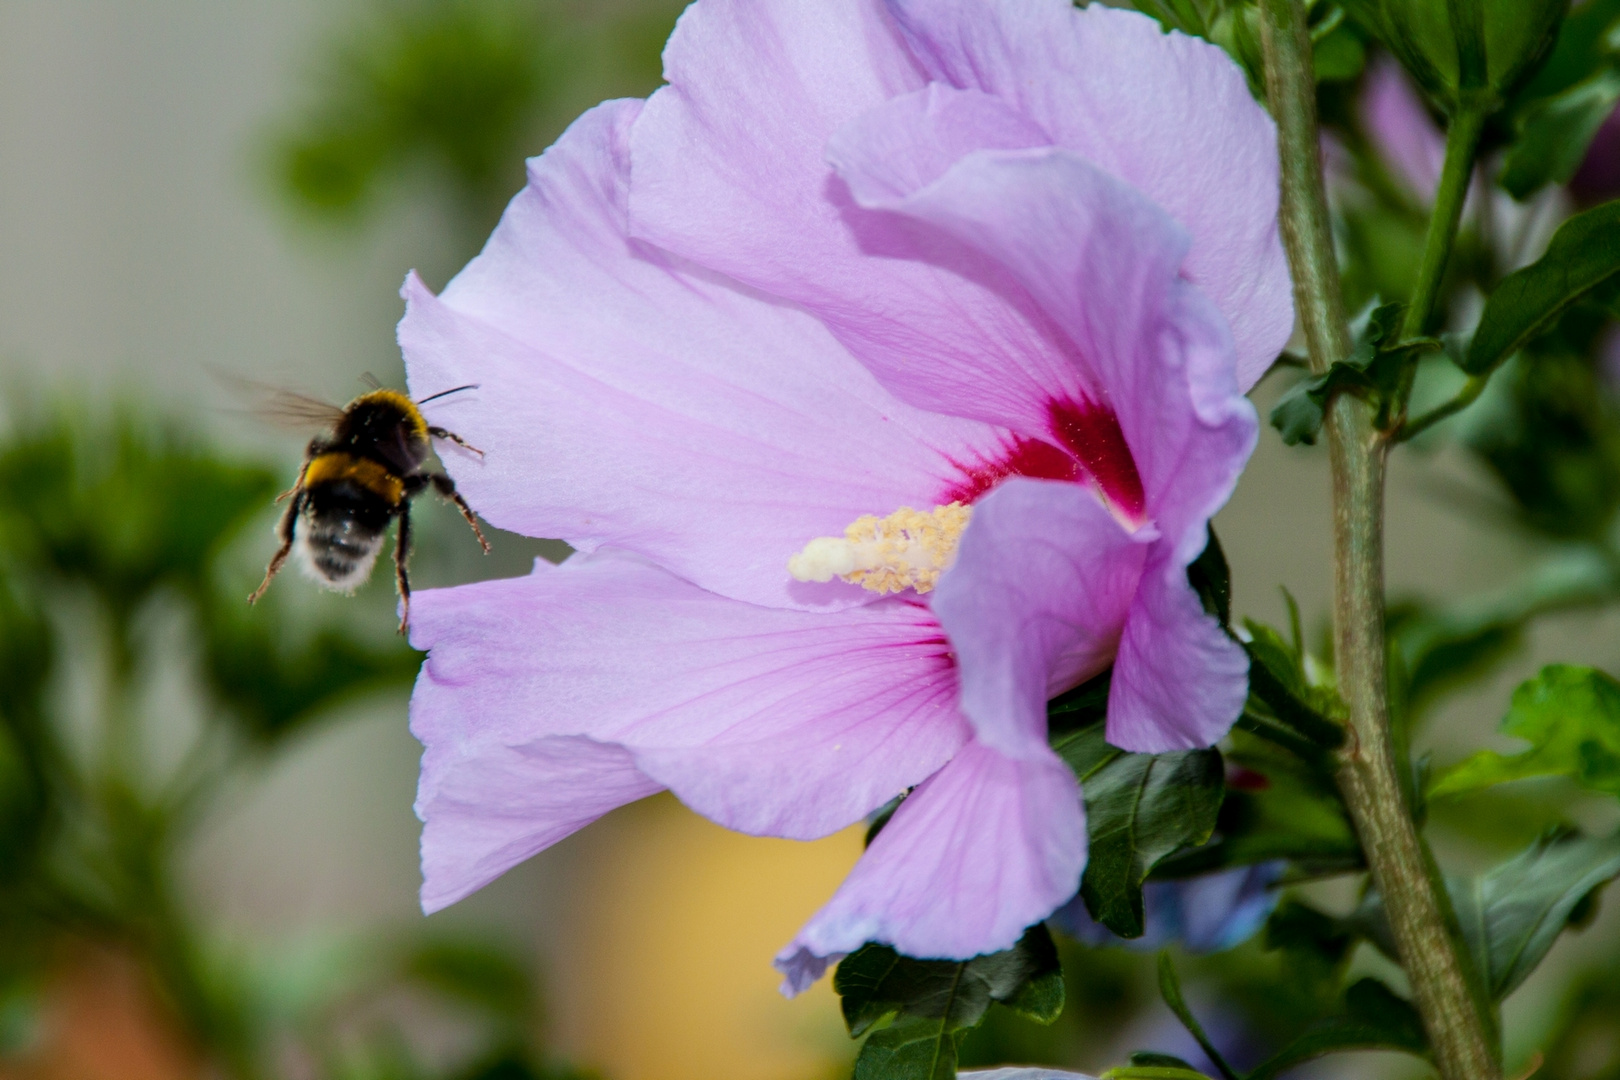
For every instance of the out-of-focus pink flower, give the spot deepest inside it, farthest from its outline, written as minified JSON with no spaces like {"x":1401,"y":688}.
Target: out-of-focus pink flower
{"x":1406,"y":137}
{"x":998,"y":344}
{"x":1413,"y":147}
{"x":1598,"y":178}
{"x":1207,"y":913}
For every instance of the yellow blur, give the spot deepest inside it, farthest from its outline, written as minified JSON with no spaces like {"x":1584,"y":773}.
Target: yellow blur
{"x":666,"y":974}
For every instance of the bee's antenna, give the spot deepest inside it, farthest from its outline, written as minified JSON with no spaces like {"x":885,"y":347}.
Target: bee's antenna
{"x":444,"y":393}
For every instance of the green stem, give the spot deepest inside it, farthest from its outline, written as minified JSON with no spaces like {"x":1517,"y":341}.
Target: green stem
{"x":1462,"y":141}
{"x":1464,"y":398}
{"x":1458,"y":1023}
{"x":1303,"y":213}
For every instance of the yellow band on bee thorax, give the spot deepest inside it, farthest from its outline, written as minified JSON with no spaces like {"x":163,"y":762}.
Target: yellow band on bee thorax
{"x":396,"y":400}
{"x":376,"y":478}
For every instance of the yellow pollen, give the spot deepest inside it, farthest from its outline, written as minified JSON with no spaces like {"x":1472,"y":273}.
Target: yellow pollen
{"x":909,"y":549}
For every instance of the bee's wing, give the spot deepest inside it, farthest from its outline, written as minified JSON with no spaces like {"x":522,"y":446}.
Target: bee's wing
{"x":293,"y":409}
{"x":277,"y":404}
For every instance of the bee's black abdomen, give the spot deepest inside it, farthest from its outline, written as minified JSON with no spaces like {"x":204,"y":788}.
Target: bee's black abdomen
{"x":342,"y":532}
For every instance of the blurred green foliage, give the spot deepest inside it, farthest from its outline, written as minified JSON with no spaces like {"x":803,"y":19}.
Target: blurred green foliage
{"x":455,"y":84}
{"x":109,"y":526}
{"x":463,"y":90}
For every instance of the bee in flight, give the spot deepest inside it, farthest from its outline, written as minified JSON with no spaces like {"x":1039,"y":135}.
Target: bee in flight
{"x":359,"y":476}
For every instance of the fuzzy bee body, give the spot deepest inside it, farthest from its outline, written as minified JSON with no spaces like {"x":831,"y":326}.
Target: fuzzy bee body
{"x":355,"y":481}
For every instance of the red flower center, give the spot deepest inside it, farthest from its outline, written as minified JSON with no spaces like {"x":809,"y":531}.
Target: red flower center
{"x":1086,"y":445}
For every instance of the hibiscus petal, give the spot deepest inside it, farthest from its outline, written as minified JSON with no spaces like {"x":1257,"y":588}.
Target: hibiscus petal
{"x":768,"y":721}
{"x":1179,"y":680}
{"x":1034,"y":605}
{"x":1168,"y":113}
{"x":729,"y":171}
{"x":985,"y":848}
{"x":1102,"y":261}
{"x":622,"y":399}
{"x":919,"y":136}
{"x":494,"y":805}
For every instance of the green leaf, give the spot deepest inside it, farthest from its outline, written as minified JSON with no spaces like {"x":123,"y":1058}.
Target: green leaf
{"x":1294,"y":813}
{"x":1154,"y":1067}
{"x":1170,"y":990}
{"x":1139,"y":809}
{"x":1147,"y":1059}
{"x":1211,"y":579}
{"x":934,"y":1002}
{"x":1298,"y":414}
{"x":1581,"y":48}
{"x":1553,"y":436}
{"x":912,"y":1048}
{"x":881,"y":817}
{"x":1432,"y":651}
{"x":1584,"y":254}
{"x":1188,"y":16}
{"x":1085,"y":705}
{"x":1374,"y":1018}
{"x":1570,"y":716}
{"x":1554,"y":134}
{"x":1512,"y":915}
{"x":1237,"y":30}
{"x":1085,"y":750}
{"x":1316,"y":948}
{"x":1338,"y":53}
{"x":1374,"y":371}
{"x":1277,"y":680}
{"x":1516,"y":37}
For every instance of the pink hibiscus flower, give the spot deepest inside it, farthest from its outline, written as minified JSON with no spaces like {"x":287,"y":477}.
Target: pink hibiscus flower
{"x":886,"y":367}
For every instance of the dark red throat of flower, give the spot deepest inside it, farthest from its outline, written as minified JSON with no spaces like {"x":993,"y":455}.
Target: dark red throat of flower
{"x":1086,"y":445}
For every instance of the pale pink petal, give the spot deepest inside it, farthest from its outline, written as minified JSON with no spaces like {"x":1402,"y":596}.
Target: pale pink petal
{"x":766,"y":720}
{"x":491,"y":804}
{"x":1034,"y":605}
{"x":1179,"y":680}
{"x":984,"y":849}
{"x":1144,"y":345}
{"x":1171,"y":115}
{"x":886,"y":156}
{"x":625,"y":399}
{"x":729,"y":171}
{"x":917,"y":137}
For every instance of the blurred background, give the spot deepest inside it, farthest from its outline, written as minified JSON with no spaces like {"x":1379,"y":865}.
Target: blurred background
{"x":207,"y":850}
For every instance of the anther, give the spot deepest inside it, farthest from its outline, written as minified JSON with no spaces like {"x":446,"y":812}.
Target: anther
{"x":908,"y":549}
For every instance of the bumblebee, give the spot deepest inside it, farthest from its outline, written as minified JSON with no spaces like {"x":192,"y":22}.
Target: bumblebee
{"x":356,"y":479}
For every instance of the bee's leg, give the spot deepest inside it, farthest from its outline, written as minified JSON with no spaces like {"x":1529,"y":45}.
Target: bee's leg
{"x":298,"y":485}
{"x":286,"y":529}
{"x":441,"y":433}
{"x":447,"y":487}
{"x":402,"y":552}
